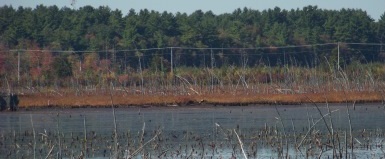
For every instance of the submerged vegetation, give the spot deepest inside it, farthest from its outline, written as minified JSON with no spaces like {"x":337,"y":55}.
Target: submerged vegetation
{"x":146,"y":134}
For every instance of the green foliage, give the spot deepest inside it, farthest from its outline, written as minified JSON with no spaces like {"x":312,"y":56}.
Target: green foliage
{"x":95,"y":29}
{"x":89,"y":28}
{"x":62,"y":67}
{"x":381,"y":30}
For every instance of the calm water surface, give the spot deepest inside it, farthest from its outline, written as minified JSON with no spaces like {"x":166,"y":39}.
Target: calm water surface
{"x":367,"y":116}
{"x":201,"y":120}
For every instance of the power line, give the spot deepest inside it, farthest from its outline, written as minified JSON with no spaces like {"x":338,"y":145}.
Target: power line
{"x":230,"y":51}
{"x":163,"y":48}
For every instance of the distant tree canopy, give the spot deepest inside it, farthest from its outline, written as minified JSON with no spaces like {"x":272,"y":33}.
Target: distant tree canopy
{"x":51,"y":46}
{"x":88,"y":28}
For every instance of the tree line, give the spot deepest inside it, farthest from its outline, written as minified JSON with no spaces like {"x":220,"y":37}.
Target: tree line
{"x":43,"y":33}
{"x":89,"y":28}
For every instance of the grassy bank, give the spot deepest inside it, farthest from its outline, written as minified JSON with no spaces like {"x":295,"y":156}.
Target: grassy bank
{"x":103,"y":100}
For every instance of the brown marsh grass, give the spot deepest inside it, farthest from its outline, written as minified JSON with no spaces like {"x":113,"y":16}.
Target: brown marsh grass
{"x":121,"y":99}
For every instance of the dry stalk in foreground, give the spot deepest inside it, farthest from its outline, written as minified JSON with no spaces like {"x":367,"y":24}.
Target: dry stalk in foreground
{"x":241,"y":144}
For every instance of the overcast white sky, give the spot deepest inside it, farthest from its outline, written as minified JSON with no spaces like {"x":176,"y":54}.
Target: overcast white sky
{"x":375,"y":8}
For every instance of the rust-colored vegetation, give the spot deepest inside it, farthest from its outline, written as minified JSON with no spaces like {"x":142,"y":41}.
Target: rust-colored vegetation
{"x":228,"y":77}
{"x":104,"y":100}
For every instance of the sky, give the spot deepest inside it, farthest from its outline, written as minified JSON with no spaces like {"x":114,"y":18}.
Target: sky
{"x":375,"y":8}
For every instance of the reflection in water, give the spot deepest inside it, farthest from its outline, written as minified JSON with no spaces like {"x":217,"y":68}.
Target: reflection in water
{"x":188,"y":131}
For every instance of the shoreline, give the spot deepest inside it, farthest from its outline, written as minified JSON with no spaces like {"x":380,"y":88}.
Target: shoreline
{"x":57,"y":107}
{"x":40,"y":101}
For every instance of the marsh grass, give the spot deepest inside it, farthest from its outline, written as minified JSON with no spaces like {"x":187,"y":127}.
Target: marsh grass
{"x":240,"y":143}
{"x":227,"y":142}
{"x":70,"y":100}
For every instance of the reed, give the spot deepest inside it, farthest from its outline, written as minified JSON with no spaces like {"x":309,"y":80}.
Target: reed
{"x":34,"y":137}
{"x":284,"y":133}
{"x":220,"y":141}
{"x":59,"y":154}
{"x":142,"y":146}
{"x":314,"y":124}
{"x":197,"y":145}
{"x":115,"y":144}
{"x":332,"y":129}
{"x":50,"y":152}
{"x":241,"y":144}
{"x":141,"y":139}
{"x":85,"y":137}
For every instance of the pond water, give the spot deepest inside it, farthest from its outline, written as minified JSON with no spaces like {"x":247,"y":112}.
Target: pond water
{"x":183,"y":132}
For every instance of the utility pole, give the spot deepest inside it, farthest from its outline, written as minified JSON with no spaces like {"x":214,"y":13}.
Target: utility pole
{"x":80,"y":64}
{"x":212,"y":69}
{"x":338,"y":56}
{"x":284,"y":58}
{"x":315,"y":57}
{"x":18,"y":66}
{"x":381,"y":42}
{"x":172,"y":67}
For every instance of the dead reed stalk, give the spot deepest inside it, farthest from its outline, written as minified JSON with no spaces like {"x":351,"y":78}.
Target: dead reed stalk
{"x":49,"y":152}
{"x":58,"y":136}
{"x":141,"y":140}
{"x":34,"y":138}
{"x":241,"y":144}
{"x":142,"y":146}
{"x":332,"y":127}
{"x":115,"y":152}
{"x":284,"y":132}
{"x":85,"y":137}
{"x":315,"y":123}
